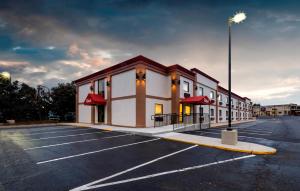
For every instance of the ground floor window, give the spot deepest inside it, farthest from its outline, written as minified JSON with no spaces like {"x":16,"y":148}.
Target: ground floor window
{"x":187,"y":109}
{"x":212,"y":112}
{"x":158,"y":109}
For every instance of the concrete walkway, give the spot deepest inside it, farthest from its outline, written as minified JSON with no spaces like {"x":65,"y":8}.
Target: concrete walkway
{"x":149,"y":131}
{"x":216,"y":143}
{"x":166,"y":132}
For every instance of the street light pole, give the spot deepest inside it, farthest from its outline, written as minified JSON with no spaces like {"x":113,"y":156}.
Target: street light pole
{"x":238,"y":18}
{"x":229,"y":75}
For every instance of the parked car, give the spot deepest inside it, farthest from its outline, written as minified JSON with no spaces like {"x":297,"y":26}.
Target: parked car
{"x":70,"y":116}
{"x":52,"y":116}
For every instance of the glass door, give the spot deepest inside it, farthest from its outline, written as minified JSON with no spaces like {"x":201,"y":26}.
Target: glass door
{"x":101,"y":113}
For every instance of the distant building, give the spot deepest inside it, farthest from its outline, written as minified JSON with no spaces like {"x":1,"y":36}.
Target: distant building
{"x":276,"y":110}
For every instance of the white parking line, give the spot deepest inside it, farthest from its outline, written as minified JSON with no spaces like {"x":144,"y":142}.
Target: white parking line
{"x":73,"y":135}
{"x":62,"y":131}
{"x":38,"y":129}
{"x":163,"y":173}
{"x":97,"y":151}
{"x":239,"y":131}
{"x":133,"y":168}
{"x":255,"y":131}
{"x":73,"y":142}
{"x":238,"y":135}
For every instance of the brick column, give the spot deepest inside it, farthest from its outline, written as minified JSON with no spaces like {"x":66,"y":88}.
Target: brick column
{"x":93,"y":107}
{"x":77,"y":103}
{"x":141,"y":98}
{"x":175,"y":91}
{"x":108,"y":100}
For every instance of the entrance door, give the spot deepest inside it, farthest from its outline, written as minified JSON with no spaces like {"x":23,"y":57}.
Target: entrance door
{"x":101,"y":113}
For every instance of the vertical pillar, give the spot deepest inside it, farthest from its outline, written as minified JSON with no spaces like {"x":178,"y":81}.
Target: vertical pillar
{"x":77,"y":104}
{"x":217,"y":107}
{"x":108,"y":86}
{"x":140,"y":96}
{"x":175,"y":91}
{"x":93,"y":107}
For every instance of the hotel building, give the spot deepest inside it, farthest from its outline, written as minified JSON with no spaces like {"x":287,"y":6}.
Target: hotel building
{"x":140,"y":92}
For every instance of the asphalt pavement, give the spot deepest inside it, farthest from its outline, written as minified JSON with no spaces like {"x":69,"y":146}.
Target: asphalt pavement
{"x":66,"y":158}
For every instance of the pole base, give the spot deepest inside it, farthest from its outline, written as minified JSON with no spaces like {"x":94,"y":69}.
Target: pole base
{"x":229,"y":137}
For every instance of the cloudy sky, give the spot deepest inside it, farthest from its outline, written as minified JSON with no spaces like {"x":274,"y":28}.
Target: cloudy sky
{"x":51,"y":41}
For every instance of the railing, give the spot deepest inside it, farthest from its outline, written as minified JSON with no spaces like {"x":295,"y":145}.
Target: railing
{"x":181,"y":121}
{"x":197,"y":120}
{"x":164,"y":119}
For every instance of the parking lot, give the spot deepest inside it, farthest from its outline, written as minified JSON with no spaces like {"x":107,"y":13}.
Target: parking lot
{"x":65,"y":158}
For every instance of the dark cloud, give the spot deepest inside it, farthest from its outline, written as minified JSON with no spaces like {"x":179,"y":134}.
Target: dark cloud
{"x":191,"y":33}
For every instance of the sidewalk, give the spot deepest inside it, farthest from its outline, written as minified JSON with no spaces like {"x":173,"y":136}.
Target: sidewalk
{"x":166,"y":132}
{"x":149,"y":131}
{"x":245,"y":147}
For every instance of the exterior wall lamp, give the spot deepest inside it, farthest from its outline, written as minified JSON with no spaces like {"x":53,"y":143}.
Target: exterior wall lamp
{"x":91,"y":88}
{"x":174,"y":82}
{"x":141,"y":76}
{"x":196,"y":87}
{"x":108,"y":83}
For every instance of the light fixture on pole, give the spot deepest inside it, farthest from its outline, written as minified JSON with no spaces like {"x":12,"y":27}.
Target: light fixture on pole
{"x":239,"y":17}
{"x":6,"y":76}
{"x":229,"y":136}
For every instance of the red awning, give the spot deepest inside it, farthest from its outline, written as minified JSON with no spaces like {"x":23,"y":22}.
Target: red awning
{"x":198,"y":100}
{"x":94,"y":99}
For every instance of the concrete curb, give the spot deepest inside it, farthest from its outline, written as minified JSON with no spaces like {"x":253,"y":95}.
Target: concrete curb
{"x":224,"y":148}
{"x":249,"y":151}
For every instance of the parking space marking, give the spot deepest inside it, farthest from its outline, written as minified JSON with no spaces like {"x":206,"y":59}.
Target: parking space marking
{"x":62,"y":131}
{"x":97,"y":151}
{"x":133,"y":168}
{"x":255,"y":131}
{"x":73,"y":135}
{"x":201,"y":132}
{"x":163,"y":173}
{"x":239,"y":131}
{"x":40,"y":129}
{"x":73,"y":142}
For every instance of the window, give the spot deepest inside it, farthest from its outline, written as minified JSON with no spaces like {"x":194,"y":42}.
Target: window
{"x":212,"y":95}
{"x":201,"y":111}
{"x":212,"y":112}
{"x":158,"y":109}
{"x":200,"y":91}
{"x":186,"y":86}
{"x":227,"y":100}
{"x":187,"y":109}
{"x":101,"y":87}
{"x":220,"y":113}
{"x":220,"y":97}
{"x":226,"y":113}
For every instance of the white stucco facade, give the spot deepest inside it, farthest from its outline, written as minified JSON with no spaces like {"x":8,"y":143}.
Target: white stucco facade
{"x":158,"y":85}
{"x":124,"y":112}
{"x":124,"y":84}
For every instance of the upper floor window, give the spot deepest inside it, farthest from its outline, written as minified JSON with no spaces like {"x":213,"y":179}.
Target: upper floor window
{"x":186,"y":86}
{"x":212,"y":95}
{"x":200,"y":91}
{"x":220,"y":97}
{"x":101,"y":87}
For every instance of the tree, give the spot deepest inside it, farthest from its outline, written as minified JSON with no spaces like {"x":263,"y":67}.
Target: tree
{"x":63,"y":98}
